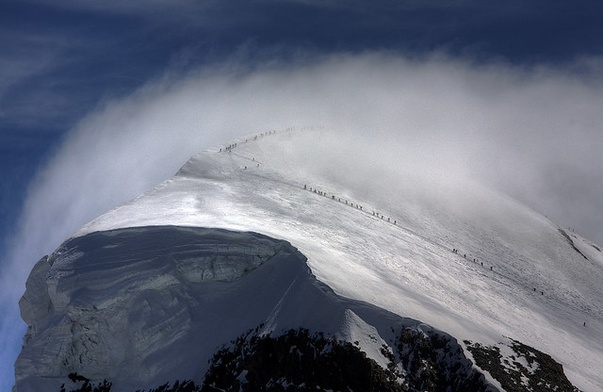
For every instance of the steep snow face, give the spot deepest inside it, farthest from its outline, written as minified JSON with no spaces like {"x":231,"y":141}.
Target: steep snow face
{"x":389,"y":241}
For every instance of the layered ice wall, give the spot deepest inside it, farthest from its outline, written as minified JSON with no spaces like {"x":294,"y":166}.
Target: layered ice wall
{"x":143,"y":305}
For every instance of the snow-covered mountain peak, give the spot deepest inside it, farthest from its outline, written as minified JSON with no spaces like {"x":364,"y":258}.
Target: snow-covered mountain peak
{"x":453,"y":254}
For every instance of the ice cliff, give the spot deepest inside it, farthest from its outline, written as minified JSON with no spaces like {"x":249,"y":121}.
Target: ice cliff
{"x":131,"y":303}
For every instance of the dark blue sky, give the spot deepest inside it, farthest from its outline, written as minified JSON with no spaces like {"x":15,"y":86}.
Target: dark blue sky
{"x":59,"y":60}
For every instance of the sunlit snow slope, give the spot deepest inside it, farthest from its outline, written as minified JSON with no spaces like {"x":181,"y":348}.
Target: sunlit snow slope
{"x":389,"y":242}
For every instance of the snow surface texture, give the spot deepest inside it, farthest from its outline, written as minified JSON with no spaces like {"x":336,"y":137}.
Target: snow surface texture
{"x":515,"y":274}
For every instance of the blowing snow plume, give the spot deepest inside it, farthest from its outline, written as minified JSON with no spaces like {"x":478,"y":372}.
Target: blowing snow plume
{"x":528,"y":132}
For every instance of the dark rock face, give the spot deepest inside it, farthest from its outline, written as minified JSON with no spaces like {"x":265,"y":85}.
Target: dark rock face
{"x":432,"y":361}
{"x":296,"y":361}
{"x":526,"y":370}
{"x":300,"y":361}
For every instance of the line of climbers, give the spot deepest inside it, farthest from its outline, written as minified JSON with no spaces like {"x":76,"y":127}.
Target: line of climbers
{"x":349,"y":203}
{"x":379,"y":215}
{"x":456,"y":251}
{"x":383,"y":217}
{"x":231,"y":146}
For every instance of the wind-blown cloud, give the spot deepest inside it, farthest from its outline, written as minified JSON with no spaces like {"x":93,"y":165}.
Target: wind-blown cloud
{"x":534,"y":133}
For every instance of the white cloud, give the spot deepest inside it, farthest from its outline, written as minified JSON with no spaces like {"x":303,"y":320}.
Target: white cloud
{"x":527,"y":131}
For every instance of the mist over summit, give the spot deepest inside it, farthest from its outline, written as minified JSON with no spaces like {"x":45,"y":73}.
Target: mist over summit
{"x":430,"y":250}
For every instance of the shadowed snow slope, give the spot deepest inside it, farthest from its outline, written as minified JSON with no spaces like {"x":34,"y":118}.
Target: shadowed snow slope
{"x":383,"y":240}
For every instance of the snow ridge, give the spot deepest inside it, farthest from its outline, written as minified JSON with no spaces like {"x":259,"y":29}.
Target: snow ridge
{"x":513,"y":274}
